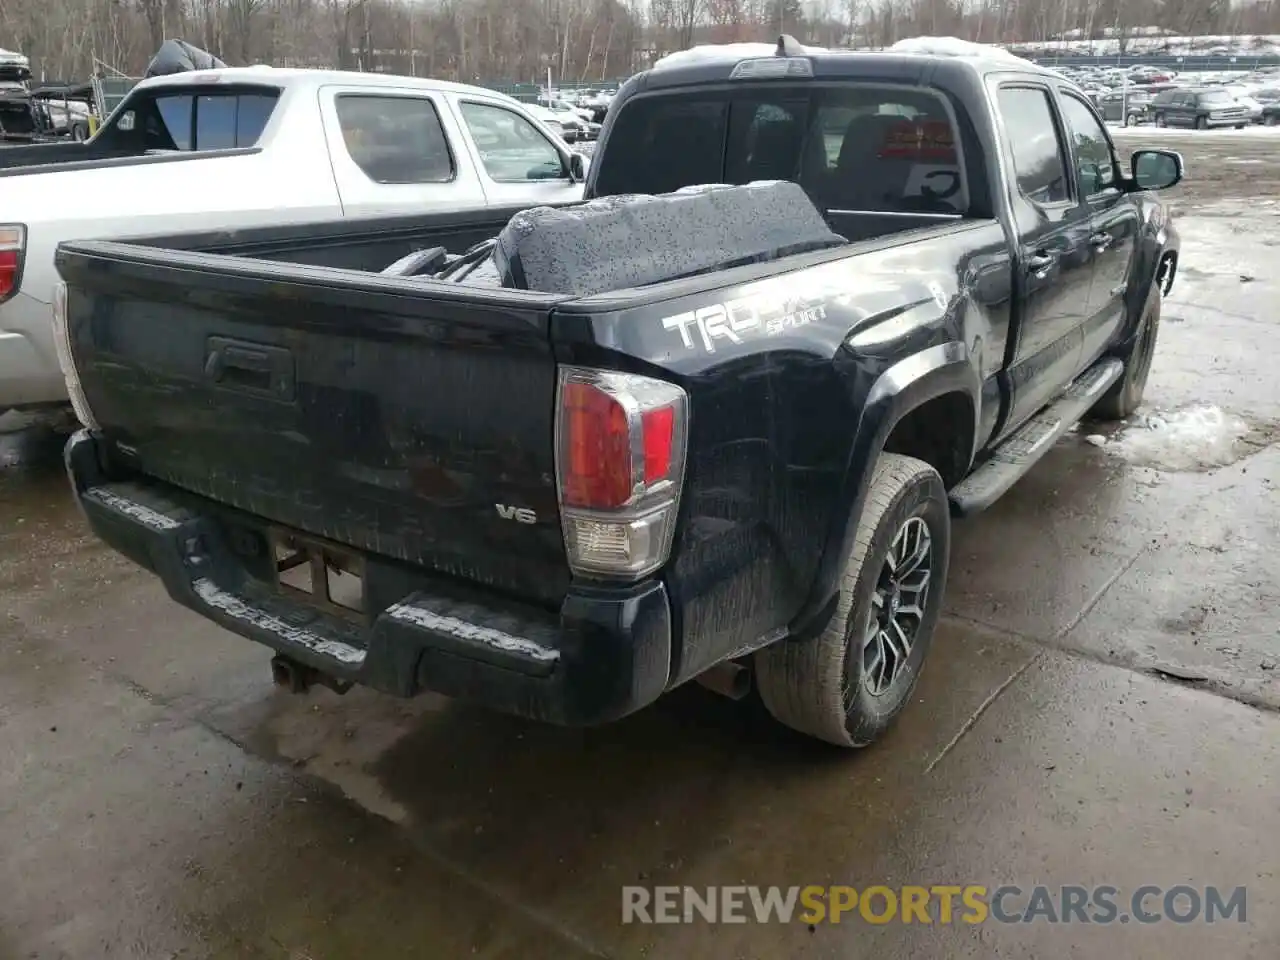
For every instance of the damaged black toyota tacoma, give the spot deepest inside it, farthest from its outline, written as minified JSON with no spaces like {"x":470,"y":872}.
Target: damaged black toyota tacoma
{"x":711,"y":424}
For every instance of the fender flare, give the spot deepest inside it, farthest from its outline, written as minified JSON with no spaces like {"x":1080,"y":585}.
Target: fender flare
{"x":905,"y":386}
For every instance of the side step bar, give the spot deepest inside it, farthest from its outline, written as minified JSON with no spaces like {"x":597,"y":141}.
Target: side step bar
{"x":1020,"y":452}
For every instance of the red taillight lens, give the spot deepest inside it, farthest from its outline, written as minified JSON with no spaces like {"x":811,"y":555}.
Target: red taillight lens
{"x":659,"y":437}
{"x":8,"y":272}
{"x":620,"y":443}
{"x":13,"y":242}
{"x":597,"y":444}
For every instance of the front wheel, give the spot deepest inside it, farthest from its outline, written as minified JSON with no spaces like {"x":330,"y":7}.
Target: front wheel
{"x":1160,"y":121}
{"x":848,"y":684}
{"x":1202,"y":123}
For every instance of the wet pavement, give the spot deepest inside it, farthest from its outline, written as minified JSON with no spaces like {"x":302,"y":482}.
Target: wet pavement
{"x":1100,"y":708}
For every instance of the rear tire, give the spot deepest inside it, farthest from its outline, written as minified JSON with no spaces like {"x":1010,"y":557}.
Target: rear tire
{"x":1125,"y":395}
{"x":848,"y":684}
{"x":1160,"y":120}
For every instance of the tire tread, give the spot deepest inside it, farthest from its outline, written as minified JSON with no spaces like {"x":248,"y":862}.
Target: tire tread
{"x":800,"y":682}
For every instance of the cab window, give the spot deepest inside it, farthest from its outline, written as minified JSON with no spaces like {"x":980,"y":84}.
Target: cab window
{"x":859,"y":147}
{"x":1095,"y":162}
{"x":395,"y":139}
{"x":511,"y":148}
{"x":225,"y":119}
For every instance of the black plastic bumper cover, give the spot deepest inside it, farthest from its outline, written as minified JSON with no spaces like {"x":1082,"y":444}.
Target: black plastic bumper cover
{"x":607,"y":654}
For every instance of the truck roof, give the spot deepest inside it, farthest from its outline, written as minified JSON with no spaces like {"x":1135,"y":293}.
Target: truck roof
{"x":907,"y":60}
{"x":295,"y":77}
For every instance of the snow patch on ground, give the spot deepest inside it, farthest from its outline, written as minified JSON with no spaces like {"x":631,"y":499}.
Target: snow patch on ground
{"x":1197,"y":438}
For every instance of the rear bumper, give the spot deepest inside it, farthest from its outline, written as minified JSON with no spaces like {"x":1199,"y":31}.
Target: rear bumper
{"x":606,"y":654}
{"x":29,"y":372}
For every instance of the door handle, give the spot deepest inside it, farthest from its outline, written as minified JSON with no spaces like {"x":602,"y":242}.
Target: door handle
{"x":1100,"y":241}
{"x":1040,"y":262}
{"x":250,"y":367}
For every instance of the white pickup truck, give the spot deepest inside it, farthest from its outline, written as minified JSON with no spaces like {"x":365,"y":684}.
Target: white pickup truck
{"x":255,"y":146}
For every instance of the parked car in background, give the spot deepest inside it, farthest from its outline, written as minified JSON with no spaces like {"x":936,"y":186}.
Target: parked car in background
{"x":569,"y":126}
{"x":1200,"y":108}
{"x":561,"y":105}
{"x":1244,"y":96}
{"x":1127,"y":107}
{"x":236,"y":148}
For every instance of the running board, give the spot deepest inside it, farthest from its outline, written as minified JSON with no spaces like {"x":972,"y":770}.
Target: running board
{"x":1020,"y":452}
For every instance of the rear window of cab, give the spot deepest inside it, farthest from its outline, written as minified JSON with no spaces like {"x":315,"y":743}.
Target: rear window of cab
{"x":855,"y":147}
{"x":196,"y":118}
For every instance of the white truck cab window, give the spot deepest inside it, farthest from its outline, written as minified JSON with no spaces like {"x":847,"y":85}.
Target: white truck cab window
{"x":395,"y":139}
{"x":511,"y":147}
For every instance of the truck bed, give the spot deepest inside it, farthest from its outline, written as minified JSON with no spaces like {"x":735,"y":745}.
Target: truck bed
{"x":22,"y":159}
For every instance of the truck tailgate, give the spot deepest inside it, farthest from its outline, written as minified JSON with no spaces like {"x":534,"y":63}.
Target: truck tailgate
{"x":405,"y":419}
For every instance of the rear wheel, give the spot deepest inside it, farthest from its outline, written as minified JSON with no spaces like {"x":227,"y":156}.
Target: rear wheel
{"x":1160,"y":121}
{"x":1125,"y":395}
{"x":848,"y":684}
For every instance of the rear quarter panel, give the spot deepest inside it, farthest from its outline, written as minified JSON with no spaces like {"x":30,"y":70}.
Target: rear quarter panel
{"x":781,"y":435}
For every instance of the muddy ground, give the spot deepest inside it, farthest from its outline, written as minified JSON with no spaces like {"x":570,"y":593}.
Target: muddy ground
{"x":1100,"y":708}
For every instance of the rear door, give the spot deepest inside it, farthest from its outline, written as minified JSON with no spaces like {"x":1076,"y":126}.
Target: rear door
{"x":1113,"y":221}
{"x":396,"y":151}
{"x":1055,"y":260}
{"x":516,"y":161}
{"x":1183,"y":113}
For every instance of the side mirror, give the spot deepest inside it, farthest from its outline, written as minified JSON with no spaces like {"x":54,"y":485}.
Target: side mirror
{"x":1156,"y":169}
{"x":578,"y":164}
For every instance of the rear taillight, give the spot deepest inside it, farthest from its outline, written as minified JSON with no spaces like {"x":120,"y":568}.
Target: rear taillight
{"x":620,"y":445}
{"x":62,"y":343}
{"x":13,"y":247}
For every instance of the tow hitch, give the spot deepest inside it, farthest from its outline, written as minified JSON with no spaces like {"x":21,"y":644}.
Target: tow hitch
{"x":299,"y":678}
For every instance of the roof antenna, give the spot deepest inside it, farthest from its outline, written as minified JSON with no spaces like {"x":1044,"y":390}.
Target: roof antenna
{"x":788,"y":46}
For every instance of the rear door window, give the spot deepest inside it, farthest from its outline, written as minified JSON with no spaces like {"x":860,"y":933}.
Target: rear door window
{"x":1034,"y":144}
{"x":395,"y":139}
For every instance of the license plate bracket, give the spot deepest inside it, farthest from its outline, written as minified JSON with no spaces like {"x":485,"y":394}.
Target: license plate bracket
{"x":318,"y":573}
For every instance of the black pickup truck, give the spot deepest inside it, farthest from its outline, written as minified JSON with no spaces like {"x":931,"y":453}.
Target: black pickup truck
{"x":560,"y":461}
